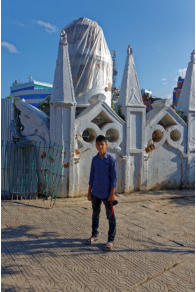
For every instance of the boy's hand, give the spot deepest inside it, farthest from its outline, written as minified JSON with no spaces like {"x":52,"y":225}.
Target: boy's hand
{"x":112,"y":195}
{"x":89,"y":196}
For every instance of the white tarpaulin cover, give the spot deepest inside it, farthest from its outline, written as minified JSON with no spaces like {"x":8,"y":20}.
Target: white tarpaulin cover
{"x":90,"y":60}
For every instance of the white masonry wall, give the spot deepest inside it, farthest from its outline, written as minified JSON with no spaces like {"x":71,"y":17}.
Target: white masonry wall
{"x":191,"y":150}
{"x":135,"y":138}
{"x":165,"y":150}
{"x":112,"y":126}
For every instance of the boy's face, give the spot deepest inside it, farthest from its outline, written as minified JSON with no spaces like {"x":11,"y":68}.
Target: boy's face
{"x":101,"y":147}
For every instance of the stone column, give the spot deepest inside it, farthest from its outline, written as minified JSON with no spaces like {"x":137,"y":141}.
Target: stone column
{"x":134,"y":111}
{"x":62,"y":115}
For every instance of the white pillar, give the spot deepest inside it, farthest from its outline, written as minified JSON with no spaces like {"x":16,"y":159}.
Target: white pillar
{"x":134,"y":111}
{"x":62,"y":115}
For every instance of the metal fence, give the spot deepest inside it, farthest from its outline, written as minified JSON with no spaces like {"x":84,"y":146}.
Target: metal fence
{"x":30,"y":170}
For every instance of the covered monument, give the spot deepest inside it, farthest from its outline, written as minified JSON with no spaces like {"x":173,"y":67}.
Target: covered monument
{"x":90,"y":60}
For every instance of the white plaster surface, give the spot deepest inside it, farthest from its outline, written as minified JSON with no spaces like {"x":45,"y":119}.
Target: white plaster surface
{"x":186,"y":101}
{"x":134,"y":110}
{"x":86,"y":150}
{"x":35,"y":122}
{"x":164,"y":168}
{"x":191,"y":129}
{"x":62,"y":114}
{"x":63,"y":90}
{"x":166,"y":162}
{"x":130,"y":92}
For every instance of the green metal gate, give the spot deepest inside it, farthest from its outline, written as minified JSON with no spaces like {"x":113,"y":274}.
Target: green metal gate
{"x":29,"y":170}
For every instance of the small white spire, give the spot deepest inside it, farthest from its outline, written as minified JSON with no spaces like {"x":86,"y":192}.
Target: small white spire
{"x":130,"y":93}
{"x":186,"y":101}
{"x":63,"y":90}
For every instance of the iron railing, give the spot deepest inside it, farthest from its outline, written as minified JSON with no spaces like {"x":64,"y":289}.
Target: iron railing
{"x":30,"y":170}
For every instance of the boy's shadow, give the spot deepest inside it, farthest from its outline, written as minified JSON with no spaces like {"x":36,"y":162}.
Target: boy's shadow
{"x":22,"y":240}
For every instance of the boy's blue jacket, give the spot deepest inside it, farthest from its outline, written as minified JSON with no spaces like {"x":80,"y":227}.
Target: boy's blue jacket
{"x":102,"y":175}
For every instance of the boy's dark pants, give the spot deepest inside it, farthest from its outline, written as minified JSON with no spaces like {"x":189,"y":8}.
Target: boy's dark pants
{"x":96,"y":206}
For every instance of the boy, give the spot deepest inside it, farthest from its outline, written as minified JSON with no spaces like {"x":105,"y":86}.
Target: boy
{"x":102,"y":184}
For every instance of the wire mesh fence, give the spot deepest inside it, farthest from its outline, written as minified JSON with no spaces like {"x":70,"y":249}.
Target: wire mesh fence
{"x":31,"y":170}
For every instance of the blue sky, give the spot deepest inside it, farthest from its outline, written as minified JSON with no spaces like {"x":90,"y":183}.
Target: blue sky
{"x":161,"y":34}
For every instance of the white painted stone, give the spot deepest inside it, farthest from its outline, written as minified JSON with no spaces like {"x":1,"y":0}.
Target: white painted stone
{"x":164,"y":168}
{"x":165,"y":164}
{"x":63,"y":90}
{"x":191,"y":149}
{"x":130,"y":93}
{"x":166,"y":120}
{"x":62,"y":114}
{"x":34,"y":121}
{"x":186,"y":101}
{"x":191,"y":171}
{"x":187,"y":105}
{"x":86,"y":150}
{"x":134,"y":111}
{"x":191,"y":132}
{"x":161,"y":103}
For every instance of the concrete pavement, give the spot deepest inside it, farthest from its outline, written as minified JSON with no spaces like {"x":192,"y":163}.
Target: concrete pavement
{"x":43,"y":249}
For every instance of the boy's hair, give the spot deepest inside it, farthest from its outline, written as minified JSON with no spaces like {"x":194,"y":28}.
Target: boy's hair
{"x":101,"y":138}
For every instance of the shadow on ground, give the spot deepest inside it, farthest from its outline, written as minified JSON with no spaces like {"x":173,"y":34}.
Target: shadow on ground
{"x":9,"y":269}
{"x":20,"y":240}
{"x":183,"y":201}
{"x":9,"y":288}
{"x":25,"y":204}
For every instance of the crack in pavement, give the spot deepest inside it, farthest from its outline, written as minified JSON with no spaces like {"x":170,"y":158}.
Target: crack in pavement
{"x":156,"y":275}
{"x":178,"y":243}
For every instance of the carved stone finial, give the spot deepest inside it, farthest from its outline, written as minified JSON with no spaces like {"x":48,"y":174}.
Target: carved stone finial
{"x":63,"y":37}
{"x":129,"y":50}
{"x":193,"y":56}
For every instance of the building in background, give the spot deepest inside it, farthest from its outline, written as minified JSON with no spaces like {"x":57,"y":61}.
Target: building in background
{"x":147,"y":98}
{"x":177,"y":91}
{"x":34,"y":92}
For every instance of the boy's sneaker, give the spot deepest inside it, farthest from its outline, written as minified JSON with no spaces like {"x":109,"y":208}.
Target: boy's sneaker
{"x":108,"y":246}
{"x":91,"y":240}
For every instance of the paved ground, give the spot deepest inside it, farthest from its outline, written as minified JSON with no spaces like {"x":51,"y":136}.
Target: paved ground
{"x":43,"y":249}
